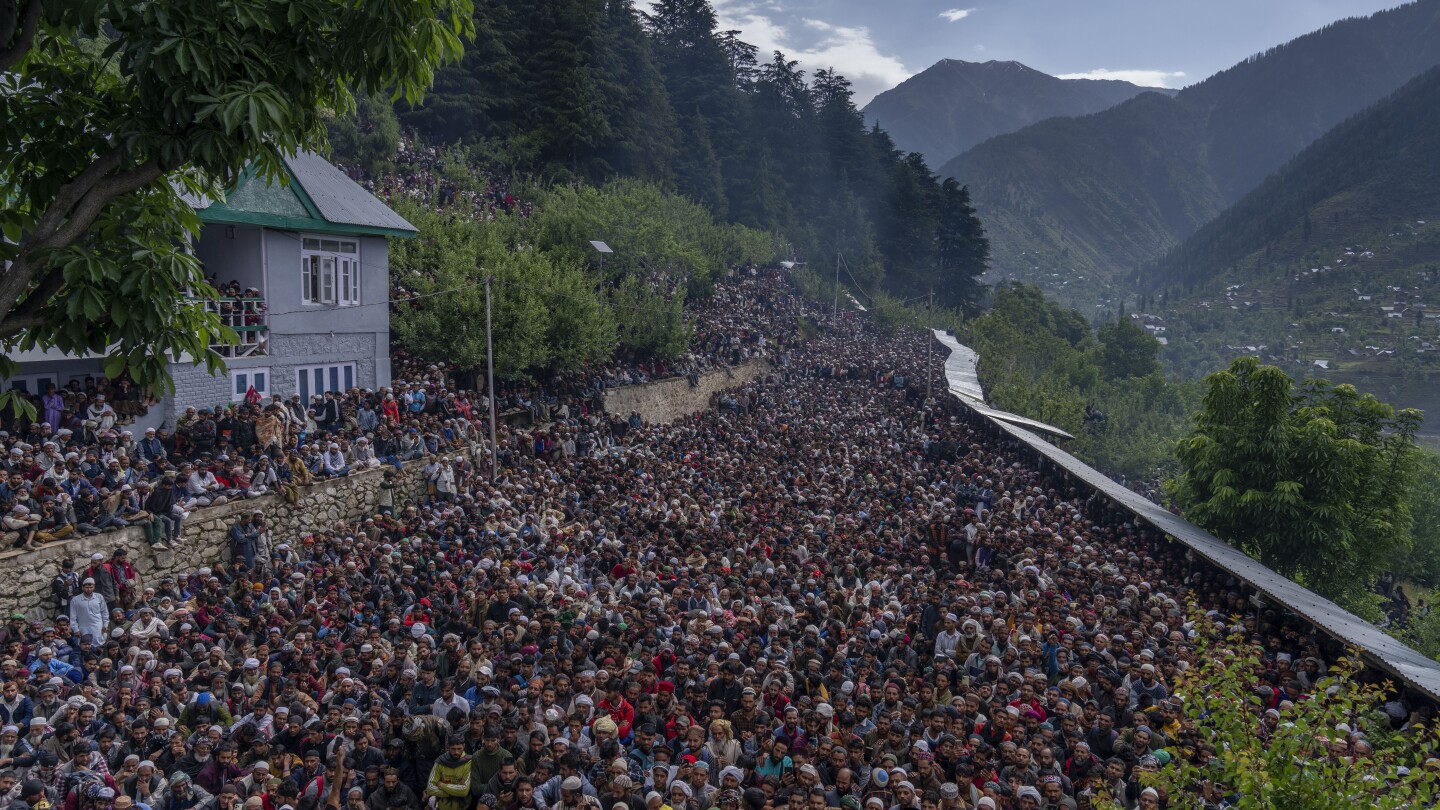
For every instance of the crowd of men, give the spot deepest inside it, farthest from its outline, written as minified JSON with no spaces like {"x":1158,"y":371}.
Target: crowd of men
{"x":65,"y":475}
{"x":418,"y":173}
{"x":825,"y":595}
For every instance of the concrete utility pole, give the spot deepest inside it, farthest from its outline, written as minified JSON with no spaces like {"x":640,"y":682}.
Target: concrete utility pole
{"x":490,"y":379}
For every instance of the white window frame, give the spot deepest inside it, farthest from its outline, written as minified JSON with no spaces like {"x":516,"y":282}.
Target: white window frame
{"x":337,"y":377}
{"x":329,"y":271}
{"x":242,"y":378}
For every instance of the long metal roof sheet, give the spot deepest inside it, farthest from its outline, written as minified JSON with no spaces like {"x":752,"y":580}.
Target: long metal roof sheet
{"x":961,"y":367}
{"x":1014,"y":419}
{"x":1384,"y":651}
{"x":339,"y":199}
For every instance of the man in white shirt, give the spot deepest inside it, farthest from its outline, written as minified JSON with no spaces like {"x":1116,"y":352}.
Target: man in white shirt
{"x":449,"y":700}
{"x":88,"y":612}
{"x":947,"y":639}
{"x":148,"y":625}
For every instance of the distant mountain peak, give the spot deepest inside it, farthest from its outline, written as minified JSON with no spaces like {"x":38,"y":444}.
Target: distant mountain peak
{"x":989,"y":64}
{"x":955,"y":104}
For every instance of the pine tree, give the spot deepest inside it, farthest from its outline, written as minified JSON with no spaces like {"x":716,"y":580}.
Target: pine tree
{"x":644,"y":135}
{"x":475,"y":99}
{"x":691,"y":55}
{"x":697,"y":168}
{"x":759,"y":201}
{"x":781,"y":125}
{"x":963,"y":252}
{"x":564,"y":113}
{"x":743,"y":58}
{"x":907,"y":227}
{"x":696,"y":68}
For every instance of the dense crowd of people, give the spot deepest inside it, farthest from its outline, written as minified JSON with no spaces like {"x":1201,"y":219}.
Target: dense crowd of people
{"x":98,"y":476}
{"x":825,"y":594}
{"x":417,"y":173}
{"x":77,"y":468}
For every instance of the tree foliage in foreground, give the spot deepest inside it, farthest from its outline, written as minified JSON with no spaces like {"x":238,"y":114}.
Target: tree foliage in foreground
{"x":1312,"y":480}
{"x":113,"y":110}
{"x":1420,"y":562}
{"x":1302,"y":763}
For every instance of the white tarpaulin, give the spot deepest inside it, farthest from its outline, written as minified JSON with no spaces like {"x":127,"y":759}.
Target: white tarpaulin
{"x":961,"y":371}
{"x":960,"y":367}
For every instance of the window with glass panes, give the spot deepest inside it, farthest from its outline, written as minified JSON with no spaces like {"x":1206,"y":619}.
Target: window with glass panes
{"x":311,"y":380}
{"x":329,"y":272}
{"x":242,"y":380}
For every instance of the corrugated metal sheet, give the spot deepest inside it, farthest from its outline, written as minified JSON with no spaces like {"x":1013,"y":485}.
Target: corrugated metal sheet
{"x":341,"y":200}
{"x":1385,"y":652}
{"x":196,"y":201}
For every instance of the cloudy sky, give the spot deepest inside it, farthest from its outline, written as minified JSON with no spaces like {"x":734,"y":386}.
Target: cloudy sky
{"x":1167,"y":43}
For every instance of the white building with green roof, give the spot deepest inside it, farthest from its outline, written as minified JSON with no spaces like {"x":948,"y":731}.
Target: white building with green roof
{"x":310,"y":261}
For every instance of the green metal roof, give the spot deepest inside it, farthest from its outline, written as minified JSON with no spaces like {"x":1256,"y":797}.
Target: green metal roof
{"x":318,"y":198}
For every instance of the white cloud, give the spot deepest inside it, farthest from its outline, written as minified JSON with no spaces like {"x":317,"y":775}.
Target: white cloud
{"x":957,"y":14}
{"x":847,"y":49}
{"x":1144,"y":78}
{"x":979,"y":48}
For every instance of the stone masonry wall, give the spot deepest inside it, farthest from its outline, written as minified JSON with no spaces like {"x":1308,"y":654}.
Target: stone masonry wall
{"x":667,"y":400}
{"x":193,"y":386}
{"x":289,"y":352}
{"x":27,"y":574}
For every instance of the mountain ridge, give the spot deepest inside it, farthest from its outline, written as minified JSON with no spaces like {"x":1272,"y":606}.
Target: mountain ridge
{"x":954,"y":105}
{"x":1243,"y":123}
{"x":1374,"y":170}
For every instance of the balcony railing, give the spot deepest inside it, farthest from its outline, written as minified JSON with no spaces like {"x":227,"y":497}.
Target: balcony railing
{"x":247,"y":316}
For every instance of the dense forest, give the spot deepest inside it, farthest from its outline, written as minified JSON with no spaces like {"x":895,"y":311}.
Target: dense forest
{"x":587,"y":91}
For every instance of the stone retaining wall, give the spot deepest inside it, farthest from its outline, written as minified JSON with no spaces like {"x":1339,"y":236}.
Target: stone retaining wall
{"x":665,"y":401}
{"x":28,"y":573}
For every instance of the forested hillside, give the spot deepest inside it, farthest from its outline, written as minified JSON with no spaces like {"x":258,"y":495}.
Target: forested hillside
{"x":1053,"y":187}
{"x":1368,"y":175}
{"x":954,"y":105}
{"x":585,"y":91}
{"x":1090,"y":194}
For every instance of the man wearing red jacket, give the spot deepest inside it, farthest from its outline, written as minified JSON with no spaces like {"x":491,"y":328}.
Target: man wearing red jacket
{"x":618,"y":708}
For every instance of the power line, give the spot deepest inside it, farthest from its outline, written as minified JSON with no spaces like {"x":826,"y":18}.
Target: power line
{"x":634,"y":309}
{"x":846,"y":265}
{"x":386,"y":302}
